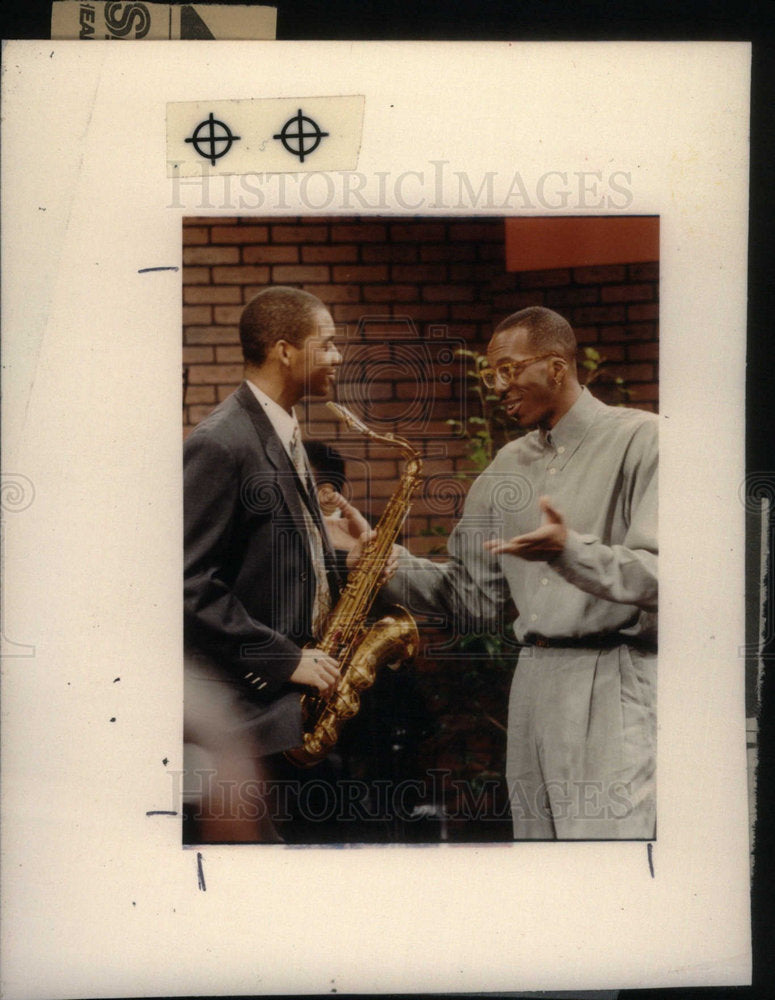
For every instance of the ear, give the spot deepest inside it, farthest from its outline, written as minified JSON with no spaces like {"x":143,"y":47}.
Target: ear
{"x":280,"y":350}
{"x":558,"y":367}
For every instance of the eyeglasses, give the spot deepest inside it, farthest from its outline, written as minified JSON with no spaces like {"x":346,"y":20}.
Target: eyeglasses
{"x":509,"y":370}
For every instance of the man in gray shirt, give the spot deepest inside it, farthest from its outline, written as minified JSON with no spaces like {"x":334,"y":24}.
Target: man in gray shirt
{"x":564,"y":521}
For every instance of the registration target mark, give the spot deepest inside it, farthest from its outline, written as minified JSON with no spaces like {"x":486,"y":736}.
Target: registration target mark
{"x":295,"y":141}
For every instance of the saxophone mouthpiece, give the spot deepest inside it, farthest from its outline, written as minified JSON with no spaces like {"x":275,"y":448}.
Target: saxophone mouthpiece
{"x":348,"y":417}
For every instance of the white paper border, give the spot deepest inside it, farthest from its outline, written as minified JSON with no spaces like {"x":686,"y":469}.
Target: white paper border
{"x":100,"y":899}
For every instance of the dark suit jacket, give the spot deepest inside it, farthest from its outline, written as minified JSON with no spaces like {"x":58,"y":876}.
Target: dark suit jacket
{"x":249,"y":579}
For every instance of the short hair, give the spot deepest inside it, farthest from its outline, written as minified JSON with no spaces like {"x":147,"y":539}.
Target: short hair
{"x":546,"y":331}
{"x":276,"y":313}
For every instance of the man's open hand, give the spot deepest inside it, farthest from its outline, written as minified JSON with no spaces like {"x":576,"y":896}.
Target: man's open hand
{"x":541,"y":545}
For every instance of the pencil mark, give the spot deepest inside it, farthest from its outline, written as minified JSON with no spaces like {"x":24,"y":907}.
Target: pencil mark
{"x":145,"y":270}
{"x":200,"y":872}
{"x":161,"y":812}
{"x":650,"y":855}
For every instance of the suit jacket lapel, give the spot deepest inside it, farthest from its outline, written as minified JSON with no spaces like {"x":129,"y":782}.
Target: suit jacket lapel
{"x":293,"y":490}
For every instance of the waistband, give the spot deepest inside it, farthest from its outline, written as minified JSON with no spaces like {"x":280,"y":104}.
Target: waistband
{"x":603,"y":640}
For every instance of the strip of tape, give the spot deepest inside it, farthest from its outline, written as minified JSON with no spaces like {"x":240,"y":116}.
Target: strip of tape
{"x":277,"y":135}
{"x":89,"y":19}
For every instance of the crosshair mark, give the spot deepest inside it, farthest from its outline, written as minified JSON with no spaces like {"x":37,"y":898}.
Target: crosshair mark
{"x":217,"y":132}
{"x":294,"y":142}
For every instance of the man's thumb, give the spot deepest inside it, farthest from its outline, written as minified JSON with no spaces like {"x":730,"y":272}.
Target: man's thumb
{"x":551,"y":513}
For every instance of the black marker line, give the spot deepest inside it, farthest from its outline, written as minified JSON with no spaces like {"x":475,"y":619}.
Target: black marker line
{"x":161,"y":812}
{"x":650,"y":854}
{"x":200,"y":873}
{"x":145,"y":270}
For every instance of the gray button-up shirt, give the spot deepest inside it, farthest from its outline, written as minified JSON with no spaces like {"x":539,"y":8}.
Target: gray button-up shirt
{"x":599,"y":467}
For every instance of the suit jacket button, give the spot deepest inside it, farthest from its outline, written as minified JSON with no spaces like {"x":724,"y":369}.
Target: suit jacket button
{"x":302,"y":577}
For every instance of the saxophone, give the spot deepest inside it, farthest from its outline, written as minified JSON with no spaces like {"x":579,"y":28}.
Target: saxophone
{"x":360,"y":648}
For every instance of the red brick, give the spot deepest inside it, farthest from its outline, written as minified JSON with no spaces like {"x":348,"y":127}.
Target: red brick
{"x":635,"y":373}
{"x":643,"y":393}
{"x":611,"y":352}
{"x":195,"y":235}
{"x":481,"y":311}
{"x":648,"y":351}
{"x":638,"y":313}
{"x":334,"y":293}
{"x":544,"y":279}
{"x":211,"y":335}
{"x":208,"y":220}
{"x":476,"y":271}
{"x":228,"y":315}
{"x":599,"y":275}
{"x":627,"y":293}
{"x":390,"y":293}
{"x":298,"y":273}
{"x":419,"y":272}
{"x":199,"y":315}
{"x":645,"y":272}
{"x":347,"y":313}
{"x":239,"y":234}
{"x":263,"y":254}
{"x":559,"y":297}
{"x":214,"y":374}
{"x":211,"y":255}
{"x":328,"y":254}
{"x":633,"y":331}
{"x":587,"y":334}
{"x":599,"y":314}
{"x":361,"y":273}
{"x":200,"y":394}
{"x":435,"y":312}
{"x":448,"y":293}
{"x":211,"y":294}
{"x":403,"y":253}
{"x":198,"y":413}
{"x":365,"y":233}
{"x":418,"y":232}
{"x":299,"y":234}
{"x":240,"y":275}
{"x":478,"y":232}
{"x":226,"y":390}
{"x":448,"y":252}
{"x":508,"y":302}
{"x":197,"y":355}
{"x":491,"y":252}
{"x":196,"y":275}
{"x":228,"y":355}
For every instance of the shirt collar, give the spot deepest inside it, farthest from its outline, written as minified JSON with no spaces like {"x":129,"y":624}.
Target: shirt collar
{"x":570,"y":429}
{"x":283,"y":422}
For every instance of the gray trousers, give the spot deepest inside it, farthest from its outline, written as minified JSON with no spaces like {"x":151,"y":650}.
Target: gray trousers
{"x":582,"y":743}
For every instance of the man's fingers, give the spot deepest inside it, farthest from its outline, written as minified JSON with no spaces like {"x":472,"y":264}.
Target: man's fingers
{"x":551,"y":512}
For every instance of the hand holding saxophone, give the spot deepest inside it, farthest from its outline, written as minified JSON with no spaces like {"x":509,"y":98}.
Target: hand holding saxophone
{"x":317,"y":669}
{"x":353,"y":533}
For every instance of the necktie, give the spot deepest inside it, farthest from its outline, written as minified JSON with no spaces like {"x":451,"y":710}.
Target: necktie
{"x":322,"y":601}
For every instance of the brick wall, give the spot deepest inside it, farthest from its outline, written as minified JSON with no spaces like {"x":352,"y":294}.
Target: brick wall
{"x":408,"y":293}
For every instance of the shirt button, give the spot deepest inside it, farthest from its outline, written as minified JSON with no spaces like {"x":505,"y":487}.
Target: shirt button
{"x":545,"y":581}
{"x":534,"y":618}
{"x":561,"y":450}
{"x":552,"y":471}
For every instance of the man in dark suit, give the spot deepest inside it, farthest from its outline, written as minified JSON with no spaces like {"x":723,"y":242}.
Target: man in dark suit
{"x":260,"y":574}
